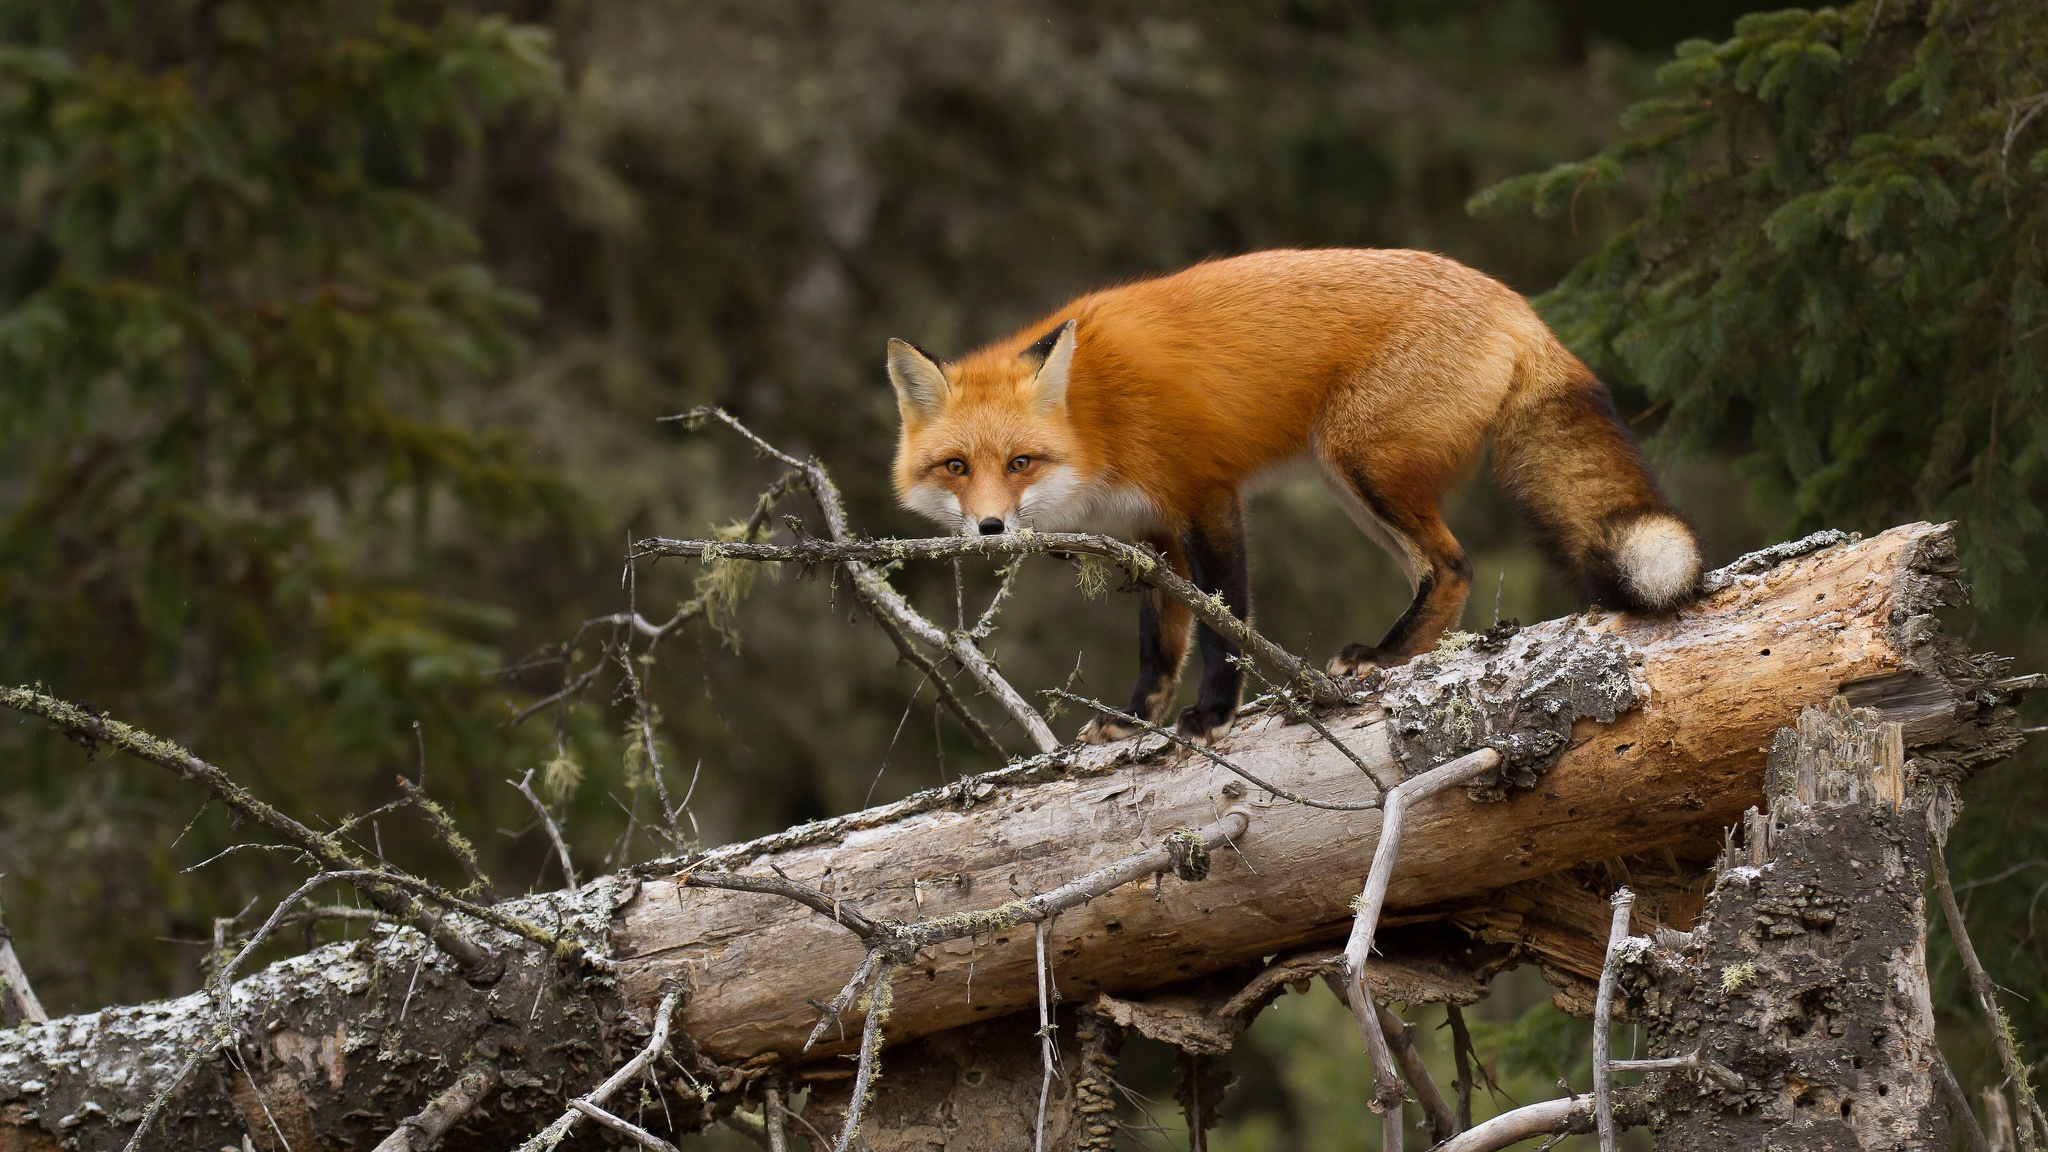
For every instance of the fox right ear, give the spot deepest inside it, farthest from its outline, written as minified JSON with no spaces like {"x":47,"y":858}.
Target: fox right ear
{"x":920,"y":386}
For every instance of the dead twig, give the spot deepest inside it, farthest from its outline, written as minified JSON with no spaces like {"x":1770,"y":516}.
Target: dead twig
{"x":424,"y":1129}
{"x":838,"y":911}
{"x":1183,"y":851}
{"x":657,"y":1043}
{"x":1443,"y":1123}
{"x":870,"y":586}
{"x":1463,"y":1054}
{"x":771,"y":1113}
{"x":547,"y":820}
{"x":1214,"y":757}
{"x":452,"y":839}
{"x":477,"y":964}
{"x":840,"y":1003}
{"x":1624,"y":902}
{"x":1690,"y":1062}
{"x":2028,"y":1112}
{"x":1358,"y":949}
{"x":18,"y":1003}
{"x":911,"y":655}
{"x":623,"y":1127}
{"x":1048,"y":1049}
{"x":1137,"y":563}
{"x":870,"y":1054}
{"x":1544,"y":1118}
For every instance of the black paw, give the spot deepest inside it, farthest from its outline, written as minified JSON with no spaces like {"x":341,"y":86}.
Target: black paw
{"x":1204,"y":724}
{"x":1358,"y":659}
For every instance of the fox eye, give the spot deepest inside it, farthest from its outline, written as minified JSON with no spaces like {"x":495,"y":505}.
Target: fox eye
{"x":956,"y":466}
{"x":1020,"y":463}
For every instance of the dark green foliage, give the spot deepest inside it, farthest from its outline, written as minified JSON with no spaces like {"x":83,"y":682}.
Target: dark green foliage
{"x":1840,"y":274}
{"x":1841,"y":264}
{"x":230,"y":308}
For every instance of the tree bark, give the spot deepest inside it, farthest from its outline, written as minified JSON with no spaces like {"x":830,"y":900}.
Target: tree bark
{"x":1807,"y":975}
{"x":1620,"y":735}
{"x":1625,"y":735}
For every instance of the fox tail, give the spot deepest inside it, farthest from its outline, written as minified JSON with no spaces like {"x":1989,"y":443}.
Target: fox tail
{"x":1564,"y":456}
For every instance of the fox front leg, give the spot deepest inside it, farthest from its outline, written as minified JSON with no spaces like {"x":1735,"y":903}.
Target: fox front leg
{"x":1163,"y":627}
{"x":1217,"y":565}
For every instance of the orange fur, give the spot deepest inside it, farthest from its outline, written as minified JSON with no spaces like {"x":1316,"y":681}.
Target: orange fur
{"x":1388,"y":370}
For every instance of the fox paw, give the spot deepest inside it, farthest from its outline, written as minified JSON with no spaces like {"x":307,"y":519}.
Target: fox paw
{"x":1358,"y":659}
{"x":1108,"y":730}
{"x":1204,"y":724}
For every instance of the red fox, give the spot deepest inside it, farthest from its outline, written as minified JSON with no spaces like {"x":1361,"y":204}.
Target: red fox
{"x":1151,"y":409}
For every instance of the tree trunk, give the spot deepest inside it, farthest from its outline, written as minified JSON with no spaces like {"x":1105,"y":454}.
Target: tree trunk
{"x":1620,"y":736}
{"x":1807,"y":975}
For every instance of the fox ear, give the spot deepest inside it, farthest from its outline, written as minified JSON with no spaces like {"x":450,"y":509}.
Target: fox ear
{"x":1055,"y":354}
{"x":921,"y":387}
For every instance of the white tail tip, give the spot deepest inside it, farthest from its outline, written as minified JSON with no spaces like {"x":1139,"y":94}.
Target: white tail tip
{"x":1659,"y":561}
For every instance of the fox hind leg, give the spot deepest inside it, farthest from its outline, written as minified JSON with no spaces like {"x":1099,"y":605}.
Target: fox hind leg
{"x":1437,"y":569}
{"x":1163,"y":626}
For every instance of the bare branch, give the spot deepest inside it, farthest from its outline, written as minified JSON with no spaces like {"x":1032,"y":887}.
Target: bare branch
{"x":547,"y":820}
{"x":1048,"y":1050}
{"x":451,"y":838}
{"x":2028,"y":1112}
{"x":1690,"y":1062}
{"x":1357,"y":950}
{"x":623,"y":1127}
{"x":918,"y":660}
{"x":1169,"y":854}
{"x":1624,"y":902}
{"x":328,"y":851}
{"x":1544,"y":1118}
{"x":1180,"y":850}
{"x":424,"y":1129}
{"x":1958,"y":1105}
{"x":870,"y":1053}
{"x":838,"y":911}
{"x":1443,"y":1123}
{"x":1211,"y":755}
{"x":1462,"y":1053}
{"x":657,"y":1043}
{"x":847,"y":995}
{"x":18,"y":1003}
{"x":873,"y":589}
{"x":771,"y":1113}
{"x":1138,"y":563}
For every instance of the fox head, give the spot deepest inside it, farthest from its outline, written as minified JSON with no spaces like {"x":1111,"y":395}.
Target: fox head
{"x":986,"y":445}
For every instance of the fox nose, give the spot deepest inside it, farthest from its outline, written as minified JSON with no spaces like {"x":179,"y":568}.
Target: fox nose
{"x":990,"y":526}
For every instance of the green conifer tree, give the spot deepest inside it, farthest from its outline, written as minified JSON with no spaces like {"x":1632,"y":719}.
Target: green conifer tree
{"x":1840,"y":271}
{"x":231,"y":298}
{"x":1841,"y":265}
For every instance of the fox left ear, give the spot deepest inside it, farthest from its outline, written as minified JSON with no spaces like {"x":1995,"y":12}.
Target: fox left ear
{"x":921,"y":387}
{"x":1055,"y":355}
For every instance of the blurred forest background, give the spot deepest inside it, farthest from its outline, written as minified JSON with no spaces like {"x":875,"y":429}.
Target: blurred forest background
{"x":334,"y":334}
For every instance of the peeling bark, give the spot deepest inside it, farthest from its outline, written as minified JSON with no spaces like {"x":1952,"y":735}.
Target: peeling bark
{"x":330,"y":1049}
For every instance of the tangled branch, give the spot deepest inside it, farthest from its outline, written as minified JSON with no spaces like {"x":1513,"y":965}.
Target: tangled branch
{"x":380,"y":886}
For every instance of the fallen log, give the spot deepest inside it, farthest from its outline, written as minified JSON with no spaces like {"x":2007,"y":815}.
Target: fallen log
{"x":1618,"y":735}
{"x":1658,"y":728}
